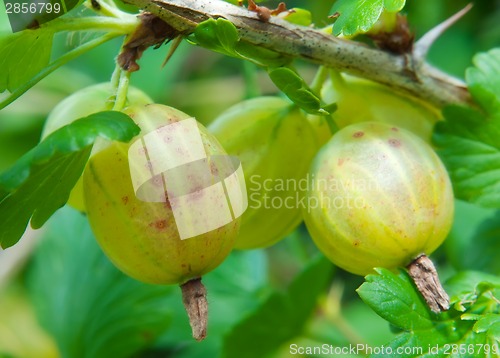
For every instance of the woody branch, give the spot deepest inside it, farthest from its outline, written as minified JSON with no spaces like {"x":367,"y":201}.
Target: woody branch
{"x":408,"y":73}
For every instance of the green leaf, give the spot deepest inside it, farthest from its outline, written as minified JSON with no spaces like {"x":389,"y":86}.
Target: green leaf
{"x":218,"y":35}
{"x":394,"y":5}
{"x":260,"y":56}
{"x":40,"y":182}
{"x":483,"y":80}
{"x":295,"y":88}
{"x":489,"y":324}
{"x":358,"y":16}
{"x":468,"y":139}
{"x":467,"y":281}
{"x":425,"y":334}
{"x":54,"y":65}
{"x":472,"y":291}
{"x":23,"y":55}
{"x":281,"y":317}
{"x":222,"y":36}
{"x":394,"y":298}
{"x":90,"y":308}
{"x":474,"y":235}
{"x":46,"y":190}
{"x":464,"y":232}
{"x":468,"y":144}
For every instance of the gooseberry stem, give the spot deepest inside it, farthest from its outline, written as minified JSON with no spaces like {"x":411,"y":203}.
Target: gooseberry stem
{"x":115,"y":78}
{"x":319,"y":79}
{"x":120,"y":80}
{"x":122,"y":91}
{"x":336,"y":78}
{"x":119,"y":26}
{"x":426,"y":278}
{"x":194,"y":297}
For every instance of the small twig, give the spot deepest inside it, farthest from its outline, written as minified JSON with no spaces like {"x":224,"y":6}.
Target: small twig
{"x":425,"y":276}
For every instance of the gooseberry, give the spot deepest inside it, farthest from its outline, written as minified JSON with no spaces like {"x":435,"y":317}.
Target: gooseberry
{"x":379,"y":196}
{"x":276,"y":145}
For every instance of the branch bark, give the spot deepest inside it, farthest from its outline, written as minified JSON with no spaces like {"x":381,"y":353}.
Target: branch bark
{"x":405,"y":73}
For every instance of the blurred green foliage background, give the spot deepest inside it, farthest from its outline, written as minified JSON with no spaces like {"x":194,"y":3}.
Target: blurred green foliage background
{"x":59,"y":296}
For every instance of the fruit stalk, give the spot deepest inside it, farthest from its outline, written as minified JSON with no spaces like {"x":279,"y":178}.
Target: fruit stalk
{"x":194,"y":298}
{"x":425,"y":276}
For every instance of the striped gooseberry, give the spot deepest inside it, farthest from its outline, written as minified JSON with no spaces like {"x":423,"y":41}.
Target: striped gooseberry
{"x":378,"y":196}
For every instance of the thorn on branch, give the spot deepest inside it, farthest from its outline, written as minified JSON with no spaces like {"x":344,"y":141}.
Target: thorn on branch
{"x":173,"y":47}
{"x":152,"y":31}
{"x":423,"y":45}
